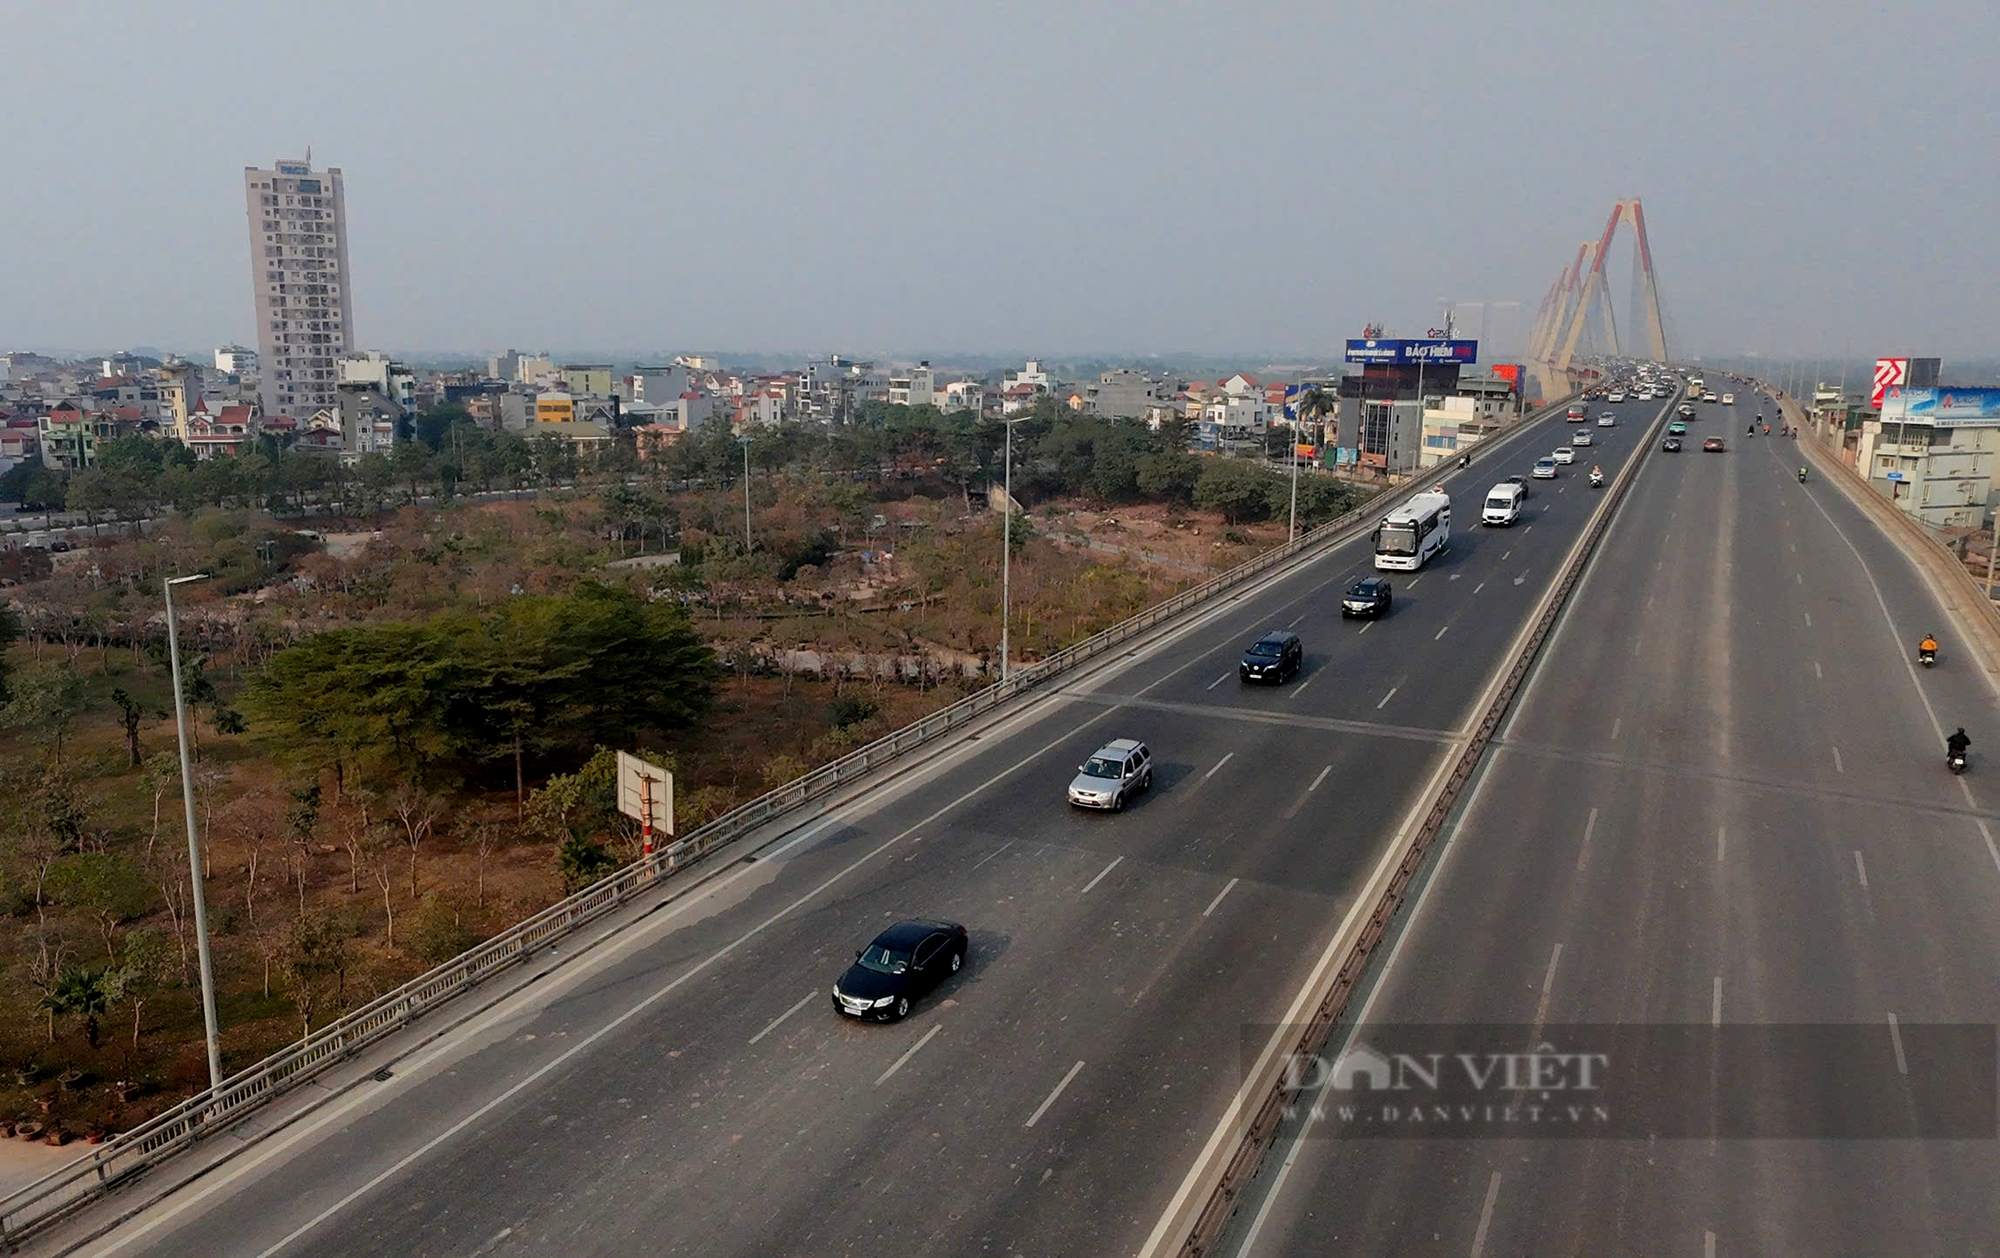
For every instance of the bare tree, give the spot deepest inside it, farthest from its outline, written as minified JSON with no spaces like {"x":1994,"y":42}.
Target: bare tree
{"x":484,"y":837}
{"x":418,"y":810}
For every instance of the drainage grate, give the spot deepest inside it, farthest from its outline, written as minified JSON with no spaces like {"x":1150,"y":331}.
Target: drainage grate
{"x":383,"y":1075}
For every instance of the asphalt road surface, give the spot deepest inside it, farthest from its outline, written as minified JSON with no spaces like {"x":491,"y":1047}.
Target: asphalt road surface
{"x":1722,"y":800}
{"x":692,"y":1092}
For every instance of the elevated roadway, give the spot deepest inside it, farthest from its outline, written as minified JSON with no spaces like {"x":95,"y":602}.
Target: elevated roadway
{"x":690,"y":1091}
{"x":1723,"y":800}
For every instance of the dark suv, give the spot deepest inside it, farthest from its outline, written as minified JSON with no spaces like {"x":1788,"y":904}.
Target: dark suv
{"x":1367,"y":597}
{"x":1273,"y":657}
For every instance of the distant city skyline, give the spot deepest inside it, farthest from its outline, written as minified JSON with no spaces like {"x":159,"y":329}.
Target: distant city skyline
{"x":1042,"y":176}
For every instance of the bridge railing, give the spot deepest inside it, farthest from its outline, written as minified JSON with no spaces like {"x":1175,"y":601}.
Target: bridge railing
{"x":65,"y":1190}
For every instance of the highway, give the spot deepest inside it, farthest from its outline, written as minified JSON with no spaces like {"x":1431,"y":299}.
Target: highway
{"x":1721,"y":800}
{"x":691,"y":1091}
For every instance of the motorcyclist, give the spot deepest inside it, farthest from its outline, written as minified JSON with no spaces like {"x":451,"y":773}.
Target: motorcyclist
{"x":1957,"y":743}
{"x":1802,"y":475}
{"x":1928,"y":646}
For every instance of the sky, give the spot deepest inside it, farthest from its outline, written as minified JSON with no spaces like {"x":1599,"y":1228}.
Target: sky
{"x":1037,"y":175}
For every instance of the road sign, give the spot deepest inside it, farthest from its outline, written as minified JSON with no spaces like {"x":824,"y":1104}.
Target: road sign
{"x":646,"y":794}
{"x":1895,"y":476}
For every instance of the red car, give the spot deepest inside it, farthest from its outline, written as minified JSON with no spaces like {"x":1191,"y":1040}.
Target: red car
{"x":1712,"y":444}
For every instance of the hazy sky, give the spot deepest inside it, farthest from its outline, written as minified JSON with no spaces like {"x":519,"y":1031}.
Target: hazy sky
{"x":1032,"y":175}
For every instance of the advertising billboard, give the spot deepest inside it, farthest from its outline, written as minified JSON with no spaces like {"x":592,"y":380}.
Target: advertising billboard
{"x":1890,"y":373}
{"x":1944,"y":408}
{"x":1410,"y":353}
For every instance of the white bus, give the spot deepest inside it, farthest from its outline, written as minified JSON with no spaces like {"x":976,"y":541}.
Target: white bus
{"x":1413,"y":532}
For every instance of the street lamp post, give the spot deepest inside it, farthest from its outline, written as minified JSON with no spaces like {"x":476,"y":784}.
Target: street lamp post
{"x":1007,"y":545}
{"x":195,"y":863}
{"x":745,"y":442}
{"x":1292,"y":529}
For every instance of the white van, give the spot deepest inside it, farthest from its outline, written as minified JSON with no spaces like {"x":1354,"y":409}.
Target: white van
{"x":1503,"y":504}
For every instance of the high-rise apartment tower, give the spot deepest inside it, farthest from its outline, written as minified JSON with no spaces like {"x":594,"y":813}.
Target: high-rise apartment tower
{"x":298,"y":270}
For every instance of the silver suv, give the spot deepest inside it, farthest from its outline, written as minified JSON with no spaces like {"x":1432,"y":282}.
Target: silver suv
{"x":1121,"y":769}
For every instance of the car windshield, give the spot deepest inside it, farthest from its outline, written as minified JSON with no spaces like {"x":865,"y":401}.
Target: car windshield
{"x":1545,"y":462}
{"x":885,"y":960}
{"x":1099,"y":767}
{"x":1500,"y":500}
{"x":1361,"y":589}
{"x":1264,"y":648}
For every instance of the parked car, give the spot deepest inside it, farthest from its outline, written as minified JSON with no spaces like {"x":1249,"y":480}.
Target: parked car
{"x":1121,"y":769}
{"x":1370,"y":596}
{"x":1273,"y":657}
{"x":903,"y":963}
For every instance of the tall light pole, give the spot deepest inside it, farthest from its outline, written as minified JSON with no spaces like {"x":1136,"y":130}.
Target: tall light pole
{"x":195,"y":864}
{"x":744,"y":441}
{"x":1292,"y":529}
{"x":1007,"y":545}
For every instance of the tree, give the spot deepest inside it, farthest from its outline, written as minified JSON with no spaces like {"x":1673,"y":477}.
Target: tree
{"x":80,"y":993}
{"x":1168,"y":476}
{"x":583,"y":863}
{"x":129,"y":715}
{"x":162,"y":774}
{"x":112,"y":889}
{"x":315,"y":956}
{"x":47,"y":701}
{"x":1234,"y":487}
{"x":147,"y":965}
{"x":418,"y":810}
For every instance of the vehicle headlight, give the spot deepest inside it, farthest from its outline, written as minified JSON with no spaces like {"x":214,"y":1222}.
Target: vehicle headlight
{"x":886,"y":1000}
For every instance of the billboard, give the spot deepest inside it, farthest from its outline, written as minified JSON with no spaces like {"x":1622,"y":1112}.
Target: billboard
{"x":1890,"y":373}
{"x":1409,"y":353}
{"x":1943,"y":407}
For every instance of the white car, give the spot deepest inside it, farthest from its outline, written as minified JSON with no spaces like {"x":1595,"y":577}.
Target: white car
{"x":1607,"y":421}
{"x":1729,"y":399}
{"x":1563,"y":454}
{"x":1616,"y":397}
{"x":1545,"y":469}
{"x":1581,"y":439}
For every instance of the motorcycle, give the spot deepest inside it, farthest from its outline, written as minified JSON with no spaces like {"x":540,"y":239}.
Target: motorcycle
{"x":1926,"y":657}
{"x":1802,"y":476}
{"x":1597,"y":480}
{"x":1465,"y":460}
{"x":1955,"y":760}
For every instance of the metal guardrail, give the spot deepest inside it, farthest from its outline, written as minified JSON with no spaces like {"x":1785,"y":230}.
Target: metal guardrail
{"x":68,"y":1189}
{"x":1262,"y":1128}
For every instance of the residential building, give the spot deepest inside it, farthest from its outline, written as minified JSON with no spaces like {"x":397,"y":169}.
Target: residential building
{"x":180,"y":396}
{"x":225,"y":433}
{"x":1124,"y":394}
{"x":915,"y":387}
{"x":1932,"y":452}
{"x":693,"y":409}
{"x":653,"y":438}
{"x":833,"y":391}
{"x":1032,"y":376}
{"x":555,"y":407}
{"x":1452,"y":426}
{"x":534,"y":369}
{"x":504,"y":366}
{"x":587,"y":379}
{"x":234,"y":360}
{"x":299,"y":279}
{"x":661,"y":386}
{"x":367,"y":421}
{"x":67,"y":437}
{"x":964,"y":395}
{"x":391,"y":379}
{"x":698,"y":362}
{"x":583,"y":436}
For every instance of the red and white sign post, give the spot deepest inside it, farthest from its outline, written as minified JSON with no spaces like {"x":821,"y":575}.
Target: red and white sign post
{"x":646,"y":793}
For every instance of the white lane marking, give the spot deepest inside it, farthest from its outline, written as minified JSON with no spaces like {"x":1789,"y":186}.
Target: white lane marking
{"x":1800,"y":577}
{"x":1100,"y":875}
{"x":1793,"y":547}
{"x":1386,"y":698}
{"x":1548,"y":989}
{"x":1321,"y":778}
{"x":1440,"y":633}
{"x":1617,"y":723}
{"x":1986,"y":833}
{"x":1218,"y":681}
{"x":807,"y":999}
{"x":911,"y":1052}
{"x":1808,"y":616}
{"x":1838,"y":767}
{"x":1529,"y":529}
{"x":1708,"y":1245}
{"x":990,"y":855}
{"x":1310,"y":677}
{"x":1583,"y":849}
{"x":1043,"y":1108}
{"x":1721,"y":837}
{"x":1896,"y":1040}
{"x":1415,"y":579}
{"x":1454,"y":576}
{"x":1479,"y":587}
{"x":1661,"y":564}
{"x":1523,"y":577}
{"x":1485,"y":1216}
{"x":1816,"y":671}
{"x":1860,"y":869}
{"x":1211,"y":906}
{"x":1715,"y":1004}
{"x":1295,"y":620}
{"x":1218,"y":766}
{"x":1503,"y":558}
{"x":1635,"y":647}
{"x":1367,"y":625}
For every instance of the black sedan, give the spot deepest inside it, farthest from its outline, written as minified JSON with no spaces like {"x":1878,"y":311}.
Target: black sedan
{"x":903,"y":963}
{"x":1672,"y":445}
{"x":1367,"y":597}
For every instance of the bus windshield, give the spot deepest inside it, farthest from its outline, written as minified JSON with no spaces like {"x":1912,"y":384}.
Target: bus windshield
{"x":1396,"y":539}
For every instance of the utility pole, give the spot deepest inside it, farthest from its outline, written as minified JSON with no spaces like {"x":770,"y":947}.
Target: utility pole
{"x":744,"y":441}
{"x":195,"y":862}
